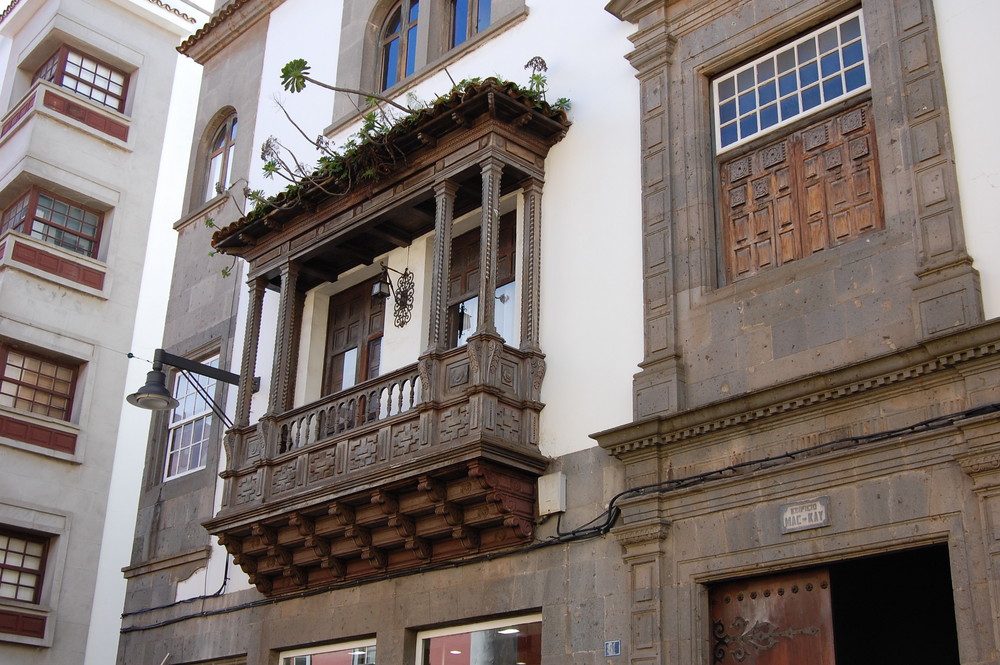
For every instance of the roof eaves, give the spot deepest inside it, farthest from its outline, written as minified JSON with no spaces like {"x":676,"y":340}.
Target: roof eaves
{"x":236,"y":17}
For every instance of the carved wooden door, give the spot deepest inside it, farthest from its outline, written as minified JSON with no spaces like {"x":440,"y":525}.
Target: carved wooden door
{"x":354,"y":338}
{"x":778,"y":620}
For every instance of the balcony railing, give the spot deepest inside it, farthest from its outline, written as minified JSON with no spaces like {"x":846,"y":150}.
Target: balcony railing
{"x":365,"y":404}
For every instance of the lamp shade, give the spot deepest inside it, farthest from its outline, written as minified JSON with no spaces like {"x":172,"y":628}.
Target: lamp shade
{"x":154,"y":394}
{"x":381,"y":288}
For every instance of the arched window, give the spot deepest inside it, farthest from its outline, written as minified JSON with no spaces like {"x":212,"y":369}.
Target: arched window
{"x":220,"y":158}
{"x":399,"y":43}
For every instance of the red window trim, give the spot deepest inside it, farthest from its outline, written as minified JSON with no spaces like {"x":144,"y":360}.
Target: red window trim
{"x":31,"y":215}
{"x":75,"y":369}
{"x":30,"y":537}
{"x":58,"y":75}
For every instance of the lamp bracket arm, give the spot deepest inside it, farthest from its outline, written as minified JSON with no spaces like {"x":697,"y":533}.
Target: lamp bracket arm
{"x":180,"y":362}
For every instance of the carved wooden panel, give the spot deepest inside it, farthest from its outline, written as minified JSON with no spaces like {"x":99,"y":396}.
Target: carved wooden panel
{"x":814,"y":189}
{"x":778,"y":620}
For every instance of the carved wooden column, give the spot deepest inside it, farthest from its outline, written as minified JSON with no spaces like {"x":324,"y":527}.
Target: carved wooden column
{"x":286,"y":341}
{"x":248,"y":366}
{"x":444,"y":199}
{"x":531,"y":251}
{"x":489,"y":239}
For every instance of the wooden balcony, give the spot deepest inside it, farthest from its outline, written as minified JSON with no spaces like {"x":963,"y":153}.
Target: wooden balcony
{"x":433,"y":462}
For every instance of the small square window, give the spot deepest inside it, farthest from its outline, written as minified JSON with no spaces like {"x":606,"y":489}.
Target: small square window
{"x":86,"y":76}
{"x":813,"y":72}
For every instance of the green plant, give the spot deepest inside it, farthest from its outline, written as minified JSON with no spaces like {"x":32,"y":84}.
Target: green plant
{"x":368,"y":153}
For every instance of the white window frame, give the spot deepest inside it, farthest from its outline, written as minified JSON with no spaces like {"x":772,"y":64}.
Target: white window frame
{"x":201,"y":410}
{"x":764,"y":89}
{"x":325,"y":649}
{"x":425,"y":635}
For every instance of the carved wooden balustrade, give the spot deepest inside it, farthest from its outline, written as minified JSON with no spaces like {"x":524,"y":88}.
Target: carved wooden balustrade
{"x":362,"y":405}
{"x":445,"y":449}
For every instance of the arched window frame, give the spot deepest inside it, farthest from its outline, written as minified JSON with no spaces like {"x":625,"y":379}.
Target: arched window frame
{"x":219,"y":158}
{"x":398,"y":43}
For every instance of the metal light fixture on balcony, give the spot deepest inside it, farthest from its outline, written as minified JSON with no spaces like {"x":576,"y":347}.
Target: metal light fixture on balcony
{"x":402,"y":293}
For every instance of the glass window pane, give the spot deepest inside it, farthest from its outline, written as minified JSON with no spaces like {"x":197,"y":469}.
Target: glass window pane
{"x":485,"y":12}
{"x":728,"y":135}
{"x":748,"y":101}
{"x":809,"y":74}
{"x":748,"y":125}
{"x":788,"y":84}
{"x":786,"y":60}
{"x":832,"y":88}
{"x":727,"y":112}
{"x":810,"y":98}
{"x":460,"y":20}
{"x":391,"y":64}
{"x":767,"y":93}
{"x":830,"y":63}
{"x":745,"y":79}
{"x":853,"y":54}
{"x":828,"y":40}
{"x":765,"y":70}
{"x":411,"y":50}
{"x":855,"y":78}
{"x":850,"y":30}
{"x":806,"y":50}
{"x":789,"y":107}
{"x":350,"y":375}
{"x":727,"y":88}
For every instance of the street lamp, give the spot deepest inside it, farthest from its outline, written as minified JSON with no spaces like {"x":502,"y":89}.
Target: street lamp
{"x":155,"y":396}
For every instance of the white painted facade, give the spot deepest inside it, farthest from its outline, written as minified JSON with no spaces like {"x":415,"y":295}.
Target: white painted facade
{"x":82,"y":500}
{"x":967,"y":32}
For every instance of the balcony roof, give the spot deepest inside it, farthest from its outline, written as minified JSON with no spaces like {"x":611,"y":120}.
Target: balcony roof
{"x":390,"y":181}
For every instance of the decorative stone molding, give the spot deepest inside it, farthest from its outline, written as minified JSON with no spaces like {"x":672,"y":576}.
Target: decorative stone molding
{"x":876,"y":374}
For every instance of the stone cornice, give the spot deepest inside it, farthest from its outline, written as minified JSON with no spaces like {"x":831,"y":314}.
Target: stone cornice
{"x":931,"y":357}
{"x":231,"y":21}
{"x":165,"y":562}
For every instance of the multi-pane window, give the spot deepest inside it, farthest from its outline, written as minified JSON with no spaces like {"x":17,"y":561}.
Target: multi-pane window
{"x":220,"y":158}
{"x":352,"y":653}
{"x":54,"y":220}
{"x":399,"y":43}
{"x":36,"y":384}
{"x":504,"y":642}
{"x":787,"y":192}
{"x":22,"y":565}
{"x":190,"y":423}
{"x":802,"y":77}
{"x":469,"y":17}
{"x":463,"y":285}
{"x":86,"y":76}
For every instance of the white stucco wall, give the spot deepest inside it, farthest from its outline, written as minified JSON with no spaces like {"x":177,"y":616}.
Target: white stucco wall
{"x":966,"y":32}
{"x":591,"y":325}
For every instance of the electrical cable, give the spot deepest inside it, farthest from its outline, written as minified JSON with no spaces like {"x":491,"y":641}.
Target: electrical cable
{"x":610,"y":515}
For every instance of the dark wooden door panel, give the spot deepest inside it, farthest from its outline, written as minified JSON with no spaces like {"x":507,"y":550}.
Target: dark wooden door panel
{"x":778,"y":620}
